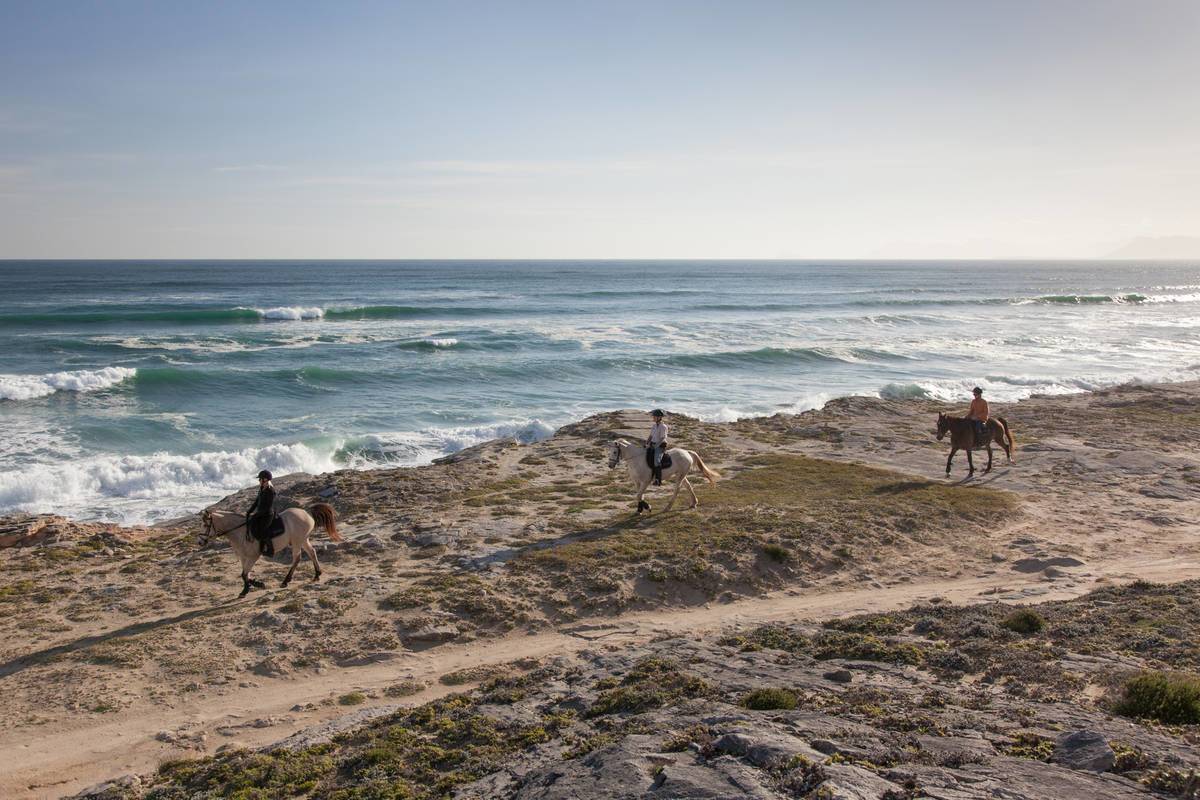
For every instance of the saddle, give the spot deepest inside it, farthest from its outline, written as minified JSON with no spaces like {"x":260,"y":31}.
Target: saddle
{"x":265,"y":534}
{"x":983,"y":433}
{"x":666,"y":459}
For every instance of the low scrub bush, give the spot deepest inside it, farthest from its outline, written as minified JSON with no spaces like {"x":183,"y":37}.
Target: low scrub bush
{"x":770,"y":699}
{"x":1173,"y":699}
{"x":1025,"y":622}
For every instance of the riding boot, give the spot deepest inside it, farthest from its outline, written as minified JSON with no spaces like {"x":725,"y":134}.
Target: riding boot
{"x":267,"y":548}
{"x":658,"y":476}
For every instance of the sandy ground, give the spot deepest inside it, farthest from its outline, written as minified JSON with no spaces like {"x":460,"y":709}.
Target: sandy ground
{"x":123,"y":648}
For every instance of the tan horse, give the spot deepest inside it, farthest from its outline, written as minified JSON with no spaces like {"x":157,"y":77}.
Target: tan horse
{"x":963,"y":437}
{"x":682,"y":463}
{"x":297,"y":525}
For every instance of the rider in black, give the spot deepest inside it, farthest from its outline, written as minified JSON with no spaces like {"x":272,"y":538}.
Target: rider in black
{"x":262,"y":514}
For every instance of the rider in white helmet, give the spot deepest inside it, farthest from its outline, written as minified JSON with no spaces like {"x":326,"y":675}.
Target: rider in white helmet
{"x":658,"y":440}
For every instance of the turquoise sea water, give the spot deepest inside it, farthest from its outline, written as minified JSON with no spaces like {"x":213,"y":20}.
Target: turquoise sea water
{"x":136,"y":391}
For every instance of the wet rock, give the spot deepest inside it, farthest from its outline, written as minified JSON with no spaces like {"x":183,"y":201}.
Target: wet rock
{"x":1084,"y":750}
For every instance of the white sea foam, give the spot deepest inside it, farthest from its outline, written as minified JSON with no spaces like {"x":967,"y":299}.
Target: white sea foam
{"x":1018,"y":387}
{"x":291,"y":312}
{"x":1193,"y":297}
{"x":449,"y":341}
{"x":410,"y":448}
{"x":146,"y":488}
{"x":28,"y":387}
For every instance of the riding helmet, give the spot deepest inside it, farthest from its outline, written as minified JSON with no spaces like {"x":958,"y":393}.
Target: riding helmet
{"x":265,"y":475}
{"x":977,"y":390}
{"x":658,"y":412}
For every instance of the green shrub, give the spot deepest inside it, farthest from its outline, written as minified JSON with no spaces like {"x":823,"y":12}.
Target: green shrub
{"x":770,"y":699}
{"x":1024,"y":621}
{"x":1170,"y":698}
{"x":777,"y":553}
{"x":352,"y":699}
{"x":652,"y":683}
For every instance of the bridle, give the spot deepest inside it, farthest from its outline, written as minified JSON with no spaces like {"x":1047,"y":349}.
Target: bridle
{"x":617,"y":455}
{"x":210,"y":531}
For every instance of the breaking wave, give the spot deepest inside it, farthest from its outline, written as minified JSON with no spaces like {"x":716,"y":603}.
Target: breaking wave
{"x":115,"y":487}
{"x":28,"y":387}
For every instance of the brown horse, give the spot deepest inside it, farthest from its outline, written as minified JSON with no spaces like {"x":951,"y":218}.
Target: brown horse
{"x":963,"y":437}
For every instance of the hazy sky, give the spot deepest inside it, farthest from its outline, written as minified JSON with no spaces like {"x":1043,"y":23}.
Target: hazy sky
{"x":599,"y":129}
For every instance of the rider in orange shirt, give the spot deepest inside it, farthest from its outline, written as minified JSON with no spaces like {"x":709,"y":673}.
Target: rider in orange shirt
{"x":979,"y":412}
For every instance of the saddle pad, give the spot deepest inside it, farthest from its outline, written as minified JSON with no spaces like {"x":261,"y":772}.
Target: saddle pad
{"x":666,"y":462}
{"x":275,"y":528}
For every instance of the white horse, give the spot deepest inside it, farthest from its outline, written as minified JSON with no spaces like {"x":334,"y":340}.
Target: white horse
{"x":682,"y":464}
{"x":297,"y":525}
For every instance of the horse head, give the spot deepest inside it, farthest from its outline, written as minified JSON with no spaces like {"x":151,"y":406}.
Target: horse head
{"x":943,"y":426}
{"x":614,"y":453}
{"x":207,"y":533}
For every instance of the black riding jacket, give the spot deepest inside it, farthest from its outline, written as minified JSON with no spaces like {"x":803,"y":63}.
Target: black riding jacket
{"x":264,"y":504}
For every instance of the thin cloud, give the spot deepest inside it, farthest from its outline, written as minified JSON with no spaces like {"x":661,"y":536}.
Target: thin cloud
{"x":250,"y":168}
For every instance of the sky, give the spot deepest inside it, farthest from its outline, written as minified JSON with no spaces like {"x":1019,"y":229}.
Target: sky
{"x":839,"y":129}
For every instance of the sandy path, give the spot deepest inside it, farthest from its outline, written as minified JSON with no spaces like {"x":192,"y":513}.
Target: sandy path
{"x":61,"y":762}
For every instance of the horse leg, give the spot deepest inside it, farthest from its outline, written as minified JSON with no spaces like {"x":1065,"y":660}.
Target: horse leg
{"x":296,"y":554}
{"x":1001,"y":437}
{"x":970,"y":463}
{"x":695,"y":500}
{"x":247,"y":565}
{"x":950,"y":458}
{"x":641,"y":499}
{"x":678,"y":486}
{"x":988,"y":468}
{"x":312,"y":554}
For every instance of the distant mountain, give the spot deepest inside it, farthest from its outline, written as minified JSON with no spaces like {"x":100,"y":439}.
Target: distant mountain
{"x":1166,"y":247}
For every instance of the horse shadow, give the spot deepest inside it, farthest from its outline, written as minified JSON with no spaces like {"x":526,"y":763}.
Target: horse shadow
{"x":49,"y":654}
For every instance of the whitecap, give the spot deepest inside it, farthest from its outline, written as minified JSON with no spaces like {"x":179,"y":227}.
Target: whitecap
{"x":291,"y":312}
{"x":118,"y":488}
{"x":28,"y":387}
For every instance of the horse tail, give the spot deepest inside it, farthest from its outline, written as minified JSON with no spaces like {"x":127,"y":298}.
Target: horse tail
{"x":711,"y":474}
{"x":326,"y":518}
{"x":1012,"y":443}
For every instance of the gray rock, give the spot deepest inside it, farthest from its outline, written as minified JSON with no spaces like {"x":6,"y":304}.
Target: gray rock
{"x":831,"y":748}
{"x":116,"y":789}
{"x":324,"y":733}
{"x":432,"y":634}
{"x":363,"y":659}
{"x":764,"y":748}
{"x":1031,"y":565}
{"x":267,"y":619}
{"x":839,"y":676}
{"x":270,"y":668}
{"x":846,"y":782}
{"x":1084,"y":750}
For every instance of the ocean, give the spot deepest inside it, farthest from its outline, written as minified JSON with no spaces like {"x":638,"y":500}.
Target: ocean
{"x":140,"y":391}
